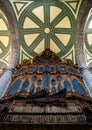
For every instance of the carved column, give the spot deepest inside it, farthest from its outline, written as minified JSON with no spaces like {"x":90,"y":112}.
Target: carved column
{"x":87,"y":78}
{"x":4,"y":81}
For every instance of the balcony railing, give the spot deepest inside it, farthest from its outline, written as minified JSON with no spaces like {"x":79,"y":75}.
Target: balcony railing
{"x":43,"y":118}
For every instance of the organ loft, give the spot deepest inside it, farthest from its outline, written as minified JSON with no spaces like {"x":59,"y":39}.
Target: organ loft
{"x":45,"y":64}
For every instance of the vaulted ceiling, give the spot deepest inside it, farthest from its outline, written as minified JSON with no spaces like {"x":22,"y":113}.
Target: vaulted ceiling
{"x":45,"y":24}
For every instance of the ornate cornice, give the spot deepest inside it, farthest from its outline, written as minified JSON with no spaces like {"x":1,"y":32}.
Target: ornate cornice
{"x":46,"y":57}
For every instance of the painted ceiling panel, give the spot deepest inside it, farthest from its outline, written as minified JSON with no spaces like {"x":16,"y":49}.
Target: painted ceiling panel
{"x":54,"y":12}
{"x":1,"y":51}
{"x":39,"y":12}
{"x":73,"y":5}
{"x":2,"y":25}
{"x":28,"y":23}
{"x":88,"y":33}
{"x":40,"y":47}
{"x":64,"y":38}
{"x":54,"y":47}
{"x":90,"y":24}
{"x":53,"y":21}
{"x":24,"y":54}
{"x":89,"y":38}
{"x":64,"y":23}
{"x":70,"y":54}
{"x":88,"y":57}
{"x":43,"y":24}
{"x":30,"y":38}
{"x":19,"y":6}
{"x":5,"y":40}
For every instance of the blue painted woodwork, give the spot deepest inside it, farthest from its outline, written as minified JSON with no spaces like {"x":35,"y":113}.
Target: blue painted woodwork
{"x":67,"y":86}
{"x":15,"y":87}
{"x":46,"y":81}
{"x":34,"y":78}
{"x":40,"y":69}
{"x":38,"y":89}
{"x":53,"y":90}
{"x":78,"y":87}
{"x":53,"y":82}
{"x":59,"y":87}
{"x":52,"y":69}
{"x":39,"y":82}
{"x":58,"y":78}
{"x":32,"y":88}
{"x":25,"y":86}
{"x":62,"y":68}
{"x":71,"y":70}
{"x":46,"y":68}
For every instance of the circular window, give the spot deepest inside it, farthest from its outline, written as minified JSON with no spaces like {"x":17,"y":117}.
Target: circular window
{"x":47,"y":24}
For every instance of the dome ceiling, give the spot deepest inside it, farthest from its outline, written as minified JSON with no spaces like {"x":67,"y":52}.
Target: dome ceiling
{"x":42,"y":24}
{"x":47,"y":24}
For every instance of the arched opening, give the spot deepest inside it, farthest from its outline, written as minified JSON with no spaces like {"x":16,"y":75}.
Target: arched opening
{"x":8,"y":36}
{"x":5,"y":42}
{"x":88,"y":39}
{"x":11,"y":20}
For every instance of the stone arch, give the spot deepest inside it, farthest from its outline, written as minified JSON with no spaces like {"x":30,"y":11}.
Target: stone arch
{"x":80,"y":35}
{"x":6,"y":8}
{"x":6,"y":77}
{"x":87,"y":75}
